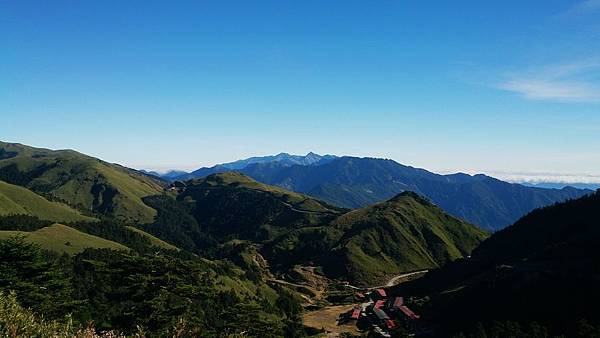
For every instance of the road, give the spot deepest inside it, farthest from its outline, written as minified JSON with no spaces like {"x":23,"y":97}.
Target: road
{"x":391,"y":282}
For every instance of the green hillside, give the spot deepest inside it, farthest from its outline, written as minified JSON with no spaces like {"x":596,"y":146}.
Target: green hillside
{"x":222,"y":207}
{"x":63,"y":239}
{"x":404,"y":234}
{"x":81,"y":181}
{"x":15,"y":200}
{"x":155,"y":241}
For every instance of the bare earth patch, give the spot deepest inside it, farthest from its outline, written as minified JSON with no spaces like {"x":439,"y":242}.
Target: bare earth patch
{"x":326,"y":318}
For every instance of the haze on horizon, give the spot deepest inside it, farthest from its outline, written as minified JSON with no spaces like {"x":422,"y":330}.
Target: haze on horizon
{"x":510,"y":89}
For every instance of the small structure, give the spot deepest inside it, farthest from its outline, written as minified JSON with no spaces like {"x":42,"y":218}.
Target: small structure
{"x":381,"y":315}
{"x":355,"y":313}
{"x":378,"y":294}
{"x":379,"y":304}
{"x":389,"y":324}
{"x":396,"y":302}
{"x":408,"y":313}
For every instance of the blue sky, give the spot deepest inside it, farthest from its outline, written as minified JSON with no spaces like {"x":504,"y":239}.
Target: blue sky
{"x":511,"y":89}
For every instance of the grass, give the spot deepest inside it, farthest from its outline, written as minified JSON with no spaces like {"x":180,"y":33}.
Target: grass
{"x":15,"y":200}
{"x":326,"y":319}
{"x":71,"y":177}
{"x":298,"y":201}
{"x":402,"y":235}
{"x":63,"y":239}
{"x":154,"y":240}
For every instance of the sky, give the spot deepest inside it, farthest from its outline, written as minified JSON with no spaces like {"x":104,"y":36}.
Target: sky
{"x":510,"y":88}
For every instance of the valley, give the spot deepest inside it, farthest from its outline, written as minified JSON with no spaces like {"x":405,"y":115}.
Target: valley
{"x":145,"y":253}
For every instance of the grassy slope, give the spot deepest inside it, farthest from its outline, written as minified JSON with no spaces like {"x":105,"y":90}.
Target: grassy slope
{"x":56,"y":237}
{"x":79,"y":180}
{"x":154,"y":240}
{"x":299,"y":201}
{"x":403,"y":234}
{"x":15,"y":200}
{"x":367,"y":245}
{"x":231,"y":205}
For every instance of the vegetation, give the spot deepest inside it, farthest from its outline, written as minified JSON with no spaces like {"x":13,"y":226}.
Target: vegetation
{"x":16,"y":321}
{"x":15,"y":200}
{"x":63,"y":239}
{"x":358,"y":182}
{"x":542,"y":269}
{"x":404,"y":234}
{"x":82,"y":182}
{"x":121,"y":291}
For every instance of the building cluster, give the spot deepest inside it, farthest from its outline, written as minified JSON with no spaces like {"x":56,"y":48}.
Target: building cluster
{"x":380,"y":312}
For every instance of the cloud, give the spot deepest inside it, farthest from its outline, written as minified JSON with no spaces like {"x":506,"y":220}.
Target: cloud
{"x":541,"y":177}
{"x":568,"y":82}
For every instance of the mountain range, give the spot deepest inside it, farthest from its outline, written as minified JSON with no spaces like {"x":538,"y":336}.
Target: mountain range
{"x":353,"y":182}
{"x":127,"y":249}
{"x":281,"y":159}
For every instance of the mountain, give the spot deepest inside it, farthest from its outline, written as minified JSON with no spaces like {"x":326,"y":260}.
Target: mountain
{"x":283,"y":159}
{"x":15,"y":200}
{"x":545,"y":268}
{"x":82,"y":182}
{"x":229,"y":206}
{"x":404,"y":234}
{"x":354,"y":182}
{"x":365,"y":246}
{"x":168,"y":175}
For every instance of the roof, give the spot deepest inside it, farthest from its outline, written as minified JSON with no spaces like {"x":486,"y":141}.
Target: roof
{"x":408,"y":312}
{"x":398,"y":301}
{"x":379,"y":304}
{"x":380,"y":314}
{"x":355,"y":313}
{"x":390,"y":324}
{"x":381,"y":292}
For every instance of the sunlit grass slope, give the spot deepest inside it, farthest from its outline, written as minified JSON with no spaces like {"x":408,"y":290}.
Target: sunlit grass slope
{"x":63,"y":239}
{"x":15,"y":200}
{"x":81,"y":181}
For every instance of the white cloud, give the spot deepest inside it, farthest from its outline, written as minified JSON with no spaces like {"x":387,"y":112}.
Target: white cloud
{"x":569,"y":82}
{"x":537,"y":89}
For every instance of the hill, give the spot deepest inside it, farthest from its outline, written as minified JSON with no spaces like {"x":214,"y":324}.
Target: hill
{"x":354,"y":182}
{"x":544,"y":269}
{"x":63,"y":239}
{"x":83,"y":182}
{"x":15,"y":200}
{"x":228,"y":206}
{"x":403,"y":234}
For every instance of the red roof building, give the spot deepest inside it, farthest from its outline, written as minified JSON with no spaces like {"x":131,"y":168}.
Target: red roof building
{"x":381,"y":293}
{"x":355,"y":313}
{"x":379,"y":304}
{"x":380,"y":314}
{"x":408,"y":312}
{"x":398,"y":302}
{"x":390,"y":324}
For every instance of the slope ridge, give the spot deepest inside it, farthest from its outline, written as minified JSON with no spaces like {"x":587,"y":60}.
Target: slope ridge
{"x":81,"y":181}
